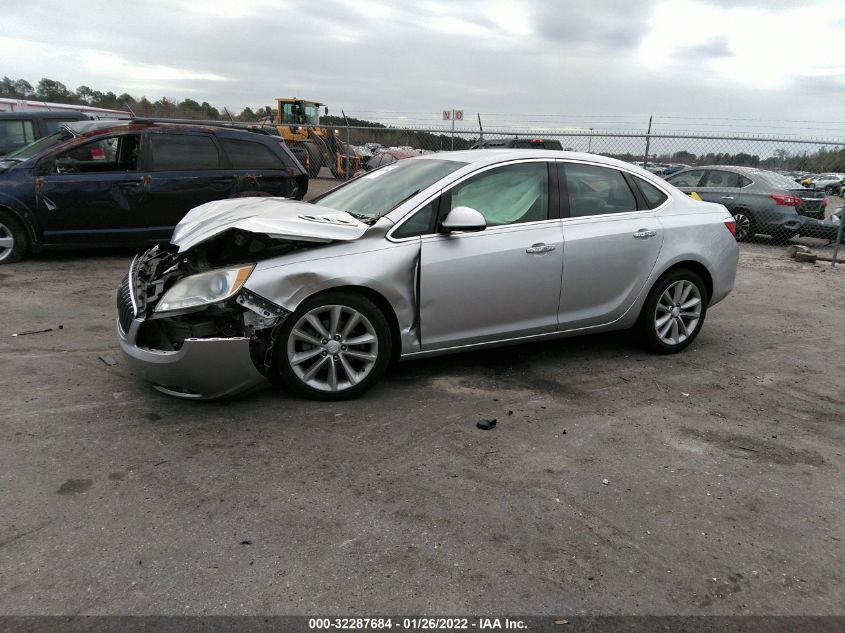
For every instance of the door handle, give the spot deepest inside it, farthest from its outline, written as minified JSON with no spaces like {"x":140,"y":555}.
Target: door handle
{"x":644,"y":234}
{"x":727,"y":197}
{"x":539,"y":248}
{"x":130,"y":184}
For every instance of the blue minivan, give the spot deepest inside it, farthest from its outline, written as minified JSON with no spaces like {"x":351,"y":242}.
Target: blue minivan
{"x":128,"y":183}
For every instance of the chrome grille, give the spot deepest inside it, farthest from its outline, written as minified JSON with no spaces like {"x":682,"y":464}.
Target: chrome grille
{"x":125,"y":311}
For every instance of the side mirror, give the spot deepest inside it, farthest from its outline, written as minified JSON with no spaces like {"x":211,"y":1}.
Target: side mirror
{"x":463,"y":219}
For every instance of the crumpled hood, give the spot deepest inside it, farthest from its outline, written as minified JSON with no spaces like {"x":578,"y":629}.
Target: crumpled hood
{"x":275,"y":217}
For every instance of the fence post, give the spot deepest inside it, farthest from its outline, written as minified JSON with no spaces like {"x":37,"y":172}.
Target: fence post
{"x":346,"y":149}
{"x":838,"y":239}
{"x":647,"y":143}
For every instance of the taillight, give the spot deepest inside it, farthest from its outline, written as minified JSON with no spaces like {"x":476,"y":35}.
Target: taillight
{"x":785,"y":200}
{"x":731,"y":226}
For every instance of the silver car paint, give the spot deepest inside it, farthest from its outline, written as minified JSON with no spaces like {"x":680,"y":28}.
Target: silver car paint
{"x":394,"y":269}
{"x":377,"y":267}
{"x":276,"y":217}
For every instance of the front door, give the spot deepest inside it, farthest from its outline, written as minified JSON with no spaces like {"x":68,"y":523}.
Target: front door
{"x":92,"y":193}
{"x":499,"y":283}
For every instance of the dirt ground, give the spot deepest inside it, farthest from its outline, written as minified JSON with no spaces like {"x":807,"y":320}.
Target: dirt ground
{"x":724,"y":468}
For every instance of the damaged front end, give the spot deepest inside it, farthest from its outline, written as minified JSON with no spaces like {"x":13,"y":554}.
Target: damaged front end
{"x":187,"y":324}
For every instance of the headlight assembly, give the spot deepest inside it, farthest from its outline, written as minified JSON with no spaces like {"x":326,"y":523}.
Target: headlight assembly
{"x":204,"y":288}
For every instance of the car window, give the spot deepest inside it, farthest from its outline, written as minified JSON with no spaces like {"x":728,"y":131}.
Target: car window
{"x":16,"y":133}
{"x":250,"y":155}
{"x":744,"y":182}
{"x":182,"y":152}
{"x":53,"y":125}
{"x":507,"y":195}
{"x":719,"y":178}
{"x":653,"y":196}
{"x":597,"y":190}
{"x":421,"y":223}
{"x":109,"y":154}
{"x":689,"y":178}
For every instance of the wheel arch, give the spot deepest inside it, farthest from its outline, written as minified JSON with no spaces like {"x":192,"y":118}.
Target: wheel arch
{"x":22,"y":219}
{"x":695,"y":266}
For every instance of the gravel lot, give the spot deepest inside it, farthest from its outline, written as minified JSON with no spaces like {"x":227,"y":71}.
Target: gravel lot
{"x":724,"y":465}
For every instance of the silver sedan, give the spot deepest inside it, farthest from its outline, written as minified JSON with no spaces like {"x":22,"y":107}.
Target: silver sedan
{"x":431,"y":255}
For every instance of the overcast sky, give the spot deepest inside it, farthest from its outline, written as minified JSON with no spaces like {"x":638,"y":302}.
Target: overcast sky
{"x":601,"y":63}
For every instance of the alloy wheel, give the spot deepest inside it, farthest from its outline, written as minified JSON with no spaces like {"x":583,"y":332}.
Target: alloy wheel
{"x":332,"y":348}
{"x":678,"y":312}
{"x":7,"y":241}
{"x":743,"y":225}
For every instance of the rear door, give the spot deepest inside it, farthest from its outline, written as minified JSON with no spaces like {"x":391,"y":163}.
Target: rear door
{"x":92,"y":193}
{"x":612,"y":238}
{"x":722,"y":187}
{"x":257,"y":168}
{"x":687,"y":181}
{"x":186,"y":170}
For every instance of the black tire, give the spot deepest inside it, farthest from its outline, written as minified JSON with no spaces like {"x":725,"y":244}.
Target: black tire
{"x":316,"y":159}
{"x":647,"y":324}
{"x":746,"y":227}
{"x":828,"y":190}
{"x":12,"y":229}
{"x":287,"y":344}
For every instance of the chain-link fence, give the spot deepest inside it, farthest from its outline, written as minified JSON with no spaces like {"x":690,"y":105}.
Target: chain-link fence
{"x":782,"y":191}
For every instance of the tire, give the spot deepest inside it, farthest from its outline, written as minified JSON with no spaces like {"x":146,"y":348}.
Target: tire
{"x":316,"y":159}
{"x":339,"y":368}
{"x":14,"y":240}
{"x":746,"y":228}
{"x":663,"y":295}
{"x":828,"y":190}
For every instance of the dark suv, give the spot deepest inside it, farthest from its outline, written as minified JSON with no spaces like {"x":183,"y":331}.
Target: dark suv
{"x":22,"y":128}
{"x":517,"y":143}
{"x":99,"y":183}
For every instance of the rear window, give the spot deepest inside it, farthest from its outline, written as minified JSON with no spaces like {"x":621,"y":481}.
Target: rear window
{"x":250,"y":155}
{"x":53,"y":125}
{"x":777,"y":180}
{"x":183,"y":152}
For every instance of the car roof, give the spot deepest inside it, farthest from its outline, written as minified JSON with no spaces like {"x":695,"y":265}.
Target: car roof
{"x":67,"y":115}
{"x":491,"y":156}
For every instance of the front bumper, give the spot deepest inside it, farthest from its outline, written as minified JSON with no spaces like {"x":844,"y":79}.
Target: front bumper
{"x":203,"y":369}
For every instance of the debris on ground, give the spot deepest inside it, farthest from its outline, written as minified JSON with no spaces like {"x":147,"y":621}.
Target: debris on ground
{"x":561,"y":621}
{"x":108,"y":360}
{"x":486,"y":425}
{"x":28,"y":332}
{"x":564,"y":432}
{"x":801,"y":253}
{"x":245,"y":542}
{"x":605,"y":482}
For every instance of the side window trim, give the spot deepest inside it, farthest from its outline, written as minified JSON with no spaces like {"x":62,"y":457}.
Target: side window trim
{"x":642,"y":203}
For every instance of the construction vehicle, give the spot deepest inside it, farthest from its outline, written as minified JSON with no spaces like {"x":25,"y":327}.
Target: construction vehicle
{"x":298,"y":122}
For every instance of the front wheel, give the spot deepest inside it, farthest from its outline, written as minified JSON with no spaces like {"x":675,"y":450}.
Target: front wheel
{"x":14,"y":241}
{"x":673,"y":312}
{"x":334,"y":347}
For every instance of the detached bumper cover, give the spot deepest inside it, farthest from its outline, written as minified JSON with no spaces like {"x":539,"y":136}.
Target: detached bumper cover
{"x":203,"y":369}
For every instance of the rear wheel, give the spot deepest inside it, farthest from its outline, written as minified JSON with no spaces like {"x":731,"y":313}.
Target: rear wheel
{"x":14,"y":241}
{"x":334,"y":347}
{"x":745,"y":228}
{"x":673,"y":312}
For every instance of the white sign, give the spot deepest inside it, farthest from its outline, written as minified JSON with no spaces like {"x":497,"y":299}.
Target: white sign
{"x":447,"y":115}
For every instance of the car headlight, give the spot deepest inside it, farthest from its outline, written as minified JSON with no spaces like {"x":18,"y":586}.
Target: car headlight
{"x":204,"y":288}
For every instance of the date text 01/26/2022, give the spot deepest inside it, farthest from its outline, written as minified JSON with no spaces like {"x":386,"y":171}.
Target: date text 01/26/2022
{"x":416,"y":624}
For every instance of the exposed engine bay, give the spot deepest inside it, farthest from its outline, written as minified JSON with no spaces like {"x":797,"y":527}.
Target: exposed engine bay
{"x":245,"y":314}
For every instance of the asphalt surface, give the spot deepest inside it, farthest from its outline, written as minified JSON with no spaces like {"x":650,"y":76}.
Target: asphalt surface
{"x":723,"y":465}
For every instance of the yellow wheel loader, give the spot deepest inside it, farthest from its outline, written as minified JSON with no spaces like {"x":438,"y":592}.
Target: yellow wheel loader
{"x":298,"y":121}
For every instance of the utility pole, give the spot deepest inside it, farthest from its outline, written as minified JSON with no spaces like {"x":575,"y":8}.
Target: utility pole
{"x":647,"y":143}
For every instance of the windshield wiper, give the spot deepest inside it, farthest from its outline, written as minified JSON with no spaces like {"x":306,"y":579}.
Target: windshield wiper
{"x":366,"y":219}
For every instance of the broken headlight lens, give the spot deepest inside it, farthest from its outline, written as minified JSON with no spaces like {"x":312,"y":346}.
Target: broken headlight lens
{"x":204,"y":288}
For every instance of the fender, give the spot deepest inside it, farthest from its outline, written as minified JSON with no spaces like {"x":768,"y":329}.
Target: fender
{"x":24,"y":213}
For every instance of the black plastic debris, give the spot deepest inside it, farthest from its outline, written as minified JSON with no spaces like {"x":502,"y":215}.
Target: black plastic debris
{"x":486,"y":425}
{"x":246,"y":542}
{"x":28,"y":332}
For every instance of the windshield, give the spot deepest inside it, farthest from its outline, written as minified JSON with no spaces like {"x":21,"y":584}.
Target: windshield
{"x":28,"y":151}
{"x":778,"y":180}
{"x":379,"y":192}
